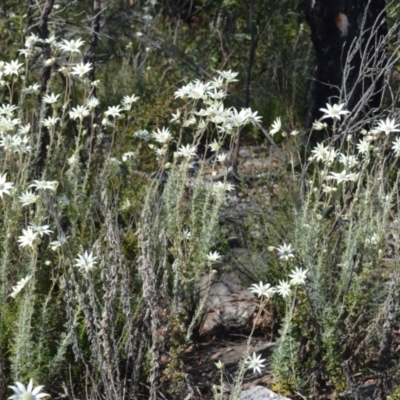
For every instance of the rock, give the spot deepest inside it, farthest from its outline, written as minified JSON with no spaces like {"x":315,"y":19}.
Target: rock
{"x":260,"y":393}
{"x":229,"y":304}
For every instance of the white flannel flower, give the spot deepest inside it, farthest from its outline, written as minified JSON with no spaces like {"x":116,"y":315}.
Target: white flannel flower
{"x":343,"y":176}
{"x":27,"y":198}
{"x":213,"y":256}
{"x":396,"y":147}
{"x":319,"y":126}
{"x":229,"y":76}
{"x":8,"y":110}
{"x":12,"y":68}
{"x":363,"y":146}
{"x":71,"y":46}
{"x":222,"y":187}
{"x":198,"y":90}
{"x":216,"y":94}
{"x":388,"y":126}
{"x":127,"y":101}
{"x":51,"y":98}
{"x":283,"y":288}
{"x":253,"y":117}
{"x":27,"y":53}
{"x":41,"y":229}
{"x":32,"y":89}
{"x":348,"y":161}
{"x":5,"y":187}
{"x":285,"y":251}
{"x":19,"y":286}
{"x":238,"y":118}
{"x":113,"y":111}
{"x":92,"y":103}
{"x":85,"y":261}
{"x":44,"y":185}
{"x":27,"y":393}
{"x":221,"y":158}
{"x":187,"y":151}
{"x":79,"y":112}
{"x":183,"y":91}
{"x":262,"y":290}
{"x":49,"y":122}
{"x":176,"y":116}
{"x":202,"y":125}
{"x":61,"y":240}
{"x":335,"y":111}
{"x":81,"y":69}
{"x":162,"y":135}
{"x":185,"y":234}
{"x":24,"y":129}
{"x":328,"y":189}
{"x":128,"y":155}
{"x":298,"y":276}
{"x":31,"y":40}
{"x":255,"y":362}
{"x":190,"y":121}
{"x":214,"y":146}
{"x":324,"y":153}
{"x":276,"y":126}
{"x":27,"y":238}
{"x":217,"y":82}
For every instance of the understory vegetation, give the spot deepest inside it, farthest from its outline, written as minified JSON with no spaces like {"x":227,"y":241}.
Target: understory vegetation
{"x":121,"y":181}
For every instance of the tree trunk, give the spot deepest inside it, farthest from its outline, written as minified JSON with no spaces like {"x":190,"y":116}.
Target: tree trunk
{"x":349,"y":38}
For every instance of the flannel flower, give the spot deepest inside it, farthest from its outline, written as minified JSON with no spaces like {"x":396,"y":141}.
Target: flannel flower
{"x":255,"y":362}
{"x":262,"y":290}
{"x":27,"y":393}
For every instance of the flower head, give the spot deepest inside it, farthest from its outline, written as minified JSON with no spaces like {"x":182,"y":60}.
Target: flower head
{"x":27,"y":238}
{"x":388,"y":126}
{"x":79,"y":112}
{"x":324,"y":153}
{"x":298,"y":276}
{"x":229,"y":76}
{"x":255,"y":362}
{"x":44,"y":185}
{"x":41,"y":229}
{"x":49,"y":122}
{"x":335,"y":111}
{"x":187,"y":151}
{"x":12,"y":68}
{"x":276,"y":126}
{"x":283,"y":288}
{"x":318,"y":126}
{"x":27,"y":198}
{"x":363,"y":146}
{"x":92,"y":103}
{"x":71,"y":46}
{"x":26,"y":393}
{"x":396,"y":147}
{"x":51,"y":98}
{"x":85,"y":261}
{"x":127,"y":101}
{"x":81,"y":69}
{"x":285,"y":251}
{"x":213,"y":256}
{"x":162,"y":135}
{"x":113,"y":111}
{"x":262,"y":290}
{"x":20,"y":285}
{"x":5,"y":187}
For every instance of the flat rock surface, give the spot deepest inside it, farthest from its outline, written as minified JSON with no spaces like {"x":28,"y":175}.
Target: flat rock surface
{"x":261,"y":393}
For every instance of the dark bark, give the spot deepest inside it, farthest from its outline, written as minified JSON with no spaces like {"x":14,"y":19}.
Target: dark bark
{"x":349,"y":40}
